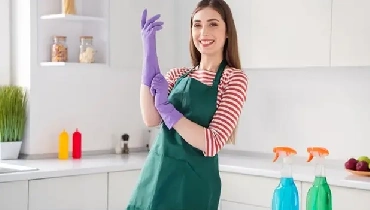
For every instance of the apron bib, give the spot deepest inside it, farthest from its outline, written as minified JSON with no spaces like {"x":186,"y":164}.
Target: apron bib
{"x":176,"y":175}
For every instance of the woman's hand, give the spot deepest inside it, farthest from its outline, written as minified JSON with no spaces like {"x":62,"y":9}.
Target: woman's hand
{"x":148,"y":35}
{"x":159,"y":89}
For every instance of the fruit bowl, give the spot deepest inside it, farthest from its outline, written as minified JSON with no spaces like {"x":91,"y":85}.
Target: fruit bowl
{"x":359,"y":173}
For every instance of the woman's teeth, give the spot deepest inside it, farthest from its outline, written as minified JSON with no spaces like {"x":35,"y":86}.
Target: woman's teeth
{"x":206,"y":43}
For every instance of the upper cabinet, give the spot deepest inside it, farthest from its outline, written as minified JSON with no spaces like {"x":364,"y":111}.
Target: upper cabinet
{"x":125,"y":33}
{"x":350,"y":33}
{"x":285,"y":33}
{"x":292,"y":33}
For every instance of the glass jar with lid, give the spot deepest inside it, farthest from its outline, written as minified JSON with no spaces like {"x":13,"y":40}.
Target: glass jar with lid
{"x":87,"y":51}
{"x":59,"y":49}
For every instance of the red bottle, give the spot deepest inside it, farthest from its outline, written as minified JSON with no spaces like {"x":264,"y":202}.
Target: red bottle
{"x":77,"y":144}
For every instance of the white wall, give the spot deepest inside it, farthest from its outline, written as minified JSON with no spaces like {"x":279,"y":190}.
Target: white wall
{"x":5,"y":42}
{"x":102,"y":103}
{"x":307,"y":107}
{"x":293,"y":107}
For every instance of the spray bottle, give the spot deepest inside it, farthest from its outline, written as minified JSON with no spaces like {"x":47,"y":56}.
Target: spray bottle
{"x":319,"y":195}
{"x":285,"y":195}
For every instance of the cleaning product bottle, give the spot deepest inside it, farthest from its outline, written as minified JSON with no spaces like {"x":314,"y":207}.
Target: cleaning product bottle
{"x":285,"y":195}
{"x":319,"y":195}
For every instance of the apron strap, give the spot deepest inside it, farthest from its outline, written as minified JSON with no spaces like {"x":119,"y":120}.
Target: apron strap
{"x":187,"y":73}
{"x":220,"y":70}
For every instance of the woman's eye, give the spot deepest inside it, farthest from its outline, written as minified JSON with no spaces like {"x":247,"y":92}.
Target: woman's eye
{"x":196,"y":25}
{"x":213,"y":24}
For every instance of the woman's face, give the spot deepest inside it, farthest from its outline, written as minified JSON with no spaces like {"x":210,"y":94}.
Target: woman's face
{"x":208,"y":31}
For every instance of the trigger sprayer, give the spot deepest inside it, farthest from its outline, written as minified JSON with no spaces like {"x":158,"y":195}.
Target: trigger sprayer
{"x":319,"y":195}
{"x":285,"y":196}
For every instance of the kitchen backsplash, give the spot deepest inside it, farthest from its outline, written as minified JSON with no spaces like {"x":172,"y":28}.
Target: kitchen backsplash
{"x":327,"y":107}
{"x":295,"y":107}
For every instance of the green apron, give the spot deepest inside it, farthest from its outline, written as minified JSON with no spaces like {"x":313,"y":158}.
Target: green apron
{"x":176,"y":175}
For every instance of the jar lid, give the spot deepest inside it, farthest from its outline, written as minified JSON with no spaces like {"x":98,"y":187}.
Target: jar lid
{"x":86,"y":37}
{"x":60,"y":37}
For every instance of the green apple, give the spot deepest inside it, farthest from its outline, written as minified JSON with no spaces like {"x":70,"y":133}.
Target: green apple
{"x":364,"y":158}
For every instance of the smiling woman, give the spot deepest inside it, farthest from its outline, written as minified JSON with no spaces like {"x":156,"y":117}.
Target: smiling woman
{"x":5,"y":42}
{"x":198,"y":109}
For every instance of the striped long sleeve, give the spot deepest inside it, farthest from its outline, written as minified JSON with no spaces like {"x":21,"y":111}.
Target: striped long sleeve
{"x":232,"y":93}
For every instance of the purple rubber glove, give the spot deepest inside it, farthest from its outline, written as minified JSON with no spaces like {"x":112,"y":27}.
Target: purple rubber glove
{"x":150,"y":59}
{"x":159,"y":89}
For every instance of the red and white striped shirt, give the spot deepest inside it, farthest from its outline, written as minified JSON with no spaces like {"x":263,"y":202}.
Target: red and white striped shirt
{"x":232,"y":93}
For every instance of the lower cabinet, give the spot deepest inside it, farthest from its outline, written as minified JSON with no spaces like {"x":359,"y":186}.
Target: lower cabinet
{"x":121,"y":186}
{"x":342,"y":198}
{"x":14,"y":195}
{"x":72,"y":192}
{"x":112,"y":191}
{"x":255,"y":191}
{"x":227,"y":205}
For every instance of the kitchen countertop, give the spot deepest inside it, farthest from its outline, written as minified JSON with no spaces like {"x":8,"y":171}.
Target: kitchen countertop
{"x":242,"y":164}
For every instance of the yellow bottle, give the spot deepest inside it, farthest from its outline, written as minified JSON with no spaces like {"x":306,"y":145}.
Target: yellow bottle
{"x":63,"y":146}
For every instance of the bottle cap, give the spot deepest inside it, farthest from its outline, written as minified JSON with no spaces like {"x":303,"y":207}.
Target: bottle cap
{"x":316,"y":152}
{"x":125,"y":137}
{"x":283,"y":151}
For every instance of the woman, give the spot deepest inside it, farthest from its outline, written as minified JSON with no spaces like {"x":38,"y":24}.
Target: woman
{"x":199,"y":107}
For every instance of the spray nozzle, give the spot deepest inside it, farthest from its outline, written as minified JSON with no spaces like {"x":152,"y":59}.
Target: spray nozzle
{"x":316,"y":152}
{"x":283,"y":151}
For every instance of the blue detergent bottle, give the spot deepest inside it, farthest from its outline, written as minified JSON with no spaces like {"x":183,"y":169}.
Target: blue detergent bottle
{"x":285,"y":195}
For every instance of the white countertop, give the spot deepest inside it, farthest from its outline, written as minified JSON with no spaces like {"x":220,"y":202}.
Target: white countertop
{"x":241,"y":164}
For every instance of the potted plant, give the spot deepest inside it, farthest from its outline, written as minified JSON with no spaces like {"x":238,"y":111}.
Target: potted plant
{"x":13,"y":117}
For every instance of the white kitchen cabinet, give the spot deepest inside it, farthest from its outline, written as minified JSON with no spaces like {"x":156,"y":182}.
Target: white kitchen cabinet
{"x":125,"y":33}
{"x":73,"y":192}
{"x":248,"y":189}
{"x":285,"y":33}
{"x":227,"y":205}
{"x":350,"y":33}
{"x":14,"y":195}
{"x":121,"y":185}
{"x":342,"y":198}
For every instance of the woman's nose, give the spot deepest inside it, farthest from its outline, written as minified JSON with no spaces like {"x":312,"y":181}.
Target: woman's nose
{"x":204,"y":31}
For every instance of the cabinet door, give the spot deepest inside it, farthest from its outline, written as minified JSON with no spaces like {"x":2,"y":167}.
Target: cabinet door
{"x":74,"y":192}
{"x":14,"y":195}
{"x":184,"y":9}
{"x":126,"y":49}
{"x":227,"y":205}
{"x":121,"y":186}
{"x":252,"y":190}
{"x":285,"y":33}
{"x":350,"y":33}
{"x":342,"y":198}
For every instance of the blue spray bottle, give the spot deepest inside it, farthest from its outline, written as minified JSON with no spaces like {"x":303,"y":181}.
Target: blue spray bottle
{"x":285,"y":195}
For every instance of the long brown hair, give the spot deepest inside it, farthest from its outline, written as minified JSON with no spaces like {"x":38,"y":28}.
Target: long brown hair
{"x":230,"y":51}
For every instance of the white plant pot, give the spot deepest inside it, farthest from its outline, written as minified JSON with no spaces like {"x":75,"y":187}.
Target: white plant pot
{"x":10,"y":150}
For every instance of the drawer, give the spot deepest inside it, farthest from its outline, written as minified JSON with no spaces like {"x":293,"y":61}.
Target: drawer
{"x":247,"y":189}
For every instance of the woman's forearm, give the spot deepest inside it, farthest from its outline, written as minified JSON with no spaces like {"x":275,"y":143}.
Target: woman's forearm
{"x":149,"y":113}
{"x":193,"y":133}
